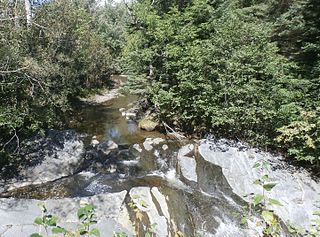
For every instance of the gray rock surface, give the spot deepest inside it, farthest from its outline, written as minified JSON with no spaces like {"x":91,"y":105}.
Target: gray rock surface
{"x":58,"y":155}
{"x":17,"y":216}
{"x":107,"y":147}
{"x":296,"y":191}
{"x":153,"y":204}
{"x":188,"y":165}
{"x":150,"y":142}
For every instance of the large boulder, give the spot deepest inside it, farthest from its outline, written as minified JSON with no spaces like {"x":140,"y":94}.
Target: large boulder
{"x":295,"y":189}
{"x":58,"y":154}
{"x":17,"y":215}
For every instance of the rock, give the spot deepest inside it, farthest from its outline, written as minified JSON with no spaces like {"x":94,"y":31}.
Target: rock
{"x":158,"y":140}
{"x":148,"y":124}
{"x":150,"y":142}
{"x":137,"y":148}
{"x":59,"y":154}
{"x":188,"y":168}
{"x":104,"y":97}
{"x":296,"y":191}
{"x":94,"y":141}
{"x":165,"y":147}
{"x":186,"y":150}
{"x":17,"y":215}
{"x":107,"y":147}
{"x":147,"y":144}
{"x":153,"y":204}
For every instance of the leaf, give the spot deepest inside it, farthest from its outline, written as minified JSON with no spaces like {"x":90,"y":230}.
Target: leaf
{"x":257,"y":199}
{"x":267,"y":216}
{"x":95,"y":232}
{"x":81,"y":213}
{"x":59,"y":230}
{"x":38,"y":221}
{"x":36,"y":235}
{"x":52,"y":221}
{"x":256,"y":165}
{"x":274,"y":202}
{"x":269,"y":186}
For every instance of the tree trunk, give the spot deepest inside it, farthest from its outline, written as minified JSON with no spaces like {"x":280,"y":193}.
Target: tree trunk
{"x":27,"y":4}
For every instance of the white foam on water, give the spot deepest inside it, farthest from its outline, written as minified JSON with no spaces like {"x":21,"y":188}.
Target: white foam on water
{"x":130,"y":162}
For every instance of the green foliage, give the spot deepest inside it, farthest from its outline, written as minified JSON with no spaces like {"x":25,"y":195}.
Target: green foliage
{"x":231,"y":67}
{"x":86,"y":217}
{"x":65,"y":52}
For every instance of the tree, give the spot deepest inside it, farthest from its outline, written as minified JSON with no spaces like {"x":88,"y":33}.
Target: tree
{"x":28,"y":10}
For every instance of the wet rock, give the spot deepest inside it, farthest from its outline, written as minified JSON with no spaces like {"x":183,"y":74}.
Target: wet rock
{"x":296,"y":191}
{"x":148,"y":124}
{"x":165,"y":147}
{"x":104,"y":97}
{"x":94,"y":141}
{"x":137,"y":148}
{"x":17,"y":215}
{"x":58,"y":154}
{"x":186,"y":150}
{"x":107,"y":147}
{"x":147,"y":144}
{"x":150,"y":142}
{"x":153,"y":204}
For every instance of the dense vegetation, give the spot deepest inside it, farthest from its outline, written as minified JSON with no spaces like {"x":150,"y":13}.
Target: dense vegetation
{"x":245,"y":69}
{"x":61,"y":50}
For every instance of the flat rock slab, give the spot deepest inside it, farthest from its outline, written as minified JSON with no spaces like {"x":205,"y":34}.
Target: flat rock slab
{"x":57,"y":155}
{"x":296,"y":191}
{"x":17,"y":216}
{"x":188,"y":167}
{"x":151,"y":202}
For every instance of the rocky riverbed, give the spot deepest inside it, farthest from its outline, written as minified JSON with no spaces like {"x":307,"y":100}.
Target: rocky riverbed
{"x":145,"y":182}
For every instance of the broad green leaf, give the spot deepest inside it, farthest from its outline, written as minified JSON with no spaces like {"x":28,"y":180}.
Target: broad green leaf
{"x":36,"y":235}
{"x":38,"y":221}
{"x":52,"y":221}
{"x":59,"y":230}
{"x":257,"y":199}
{"x":269,"y":186}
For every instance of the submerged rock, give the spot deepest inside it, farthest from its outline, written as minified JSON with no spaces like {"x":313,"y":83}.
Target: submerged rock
{"x":58,"y":154}
{"x":17,"y":215}
{"x":296,"y":191}
{"x":148,"y":124}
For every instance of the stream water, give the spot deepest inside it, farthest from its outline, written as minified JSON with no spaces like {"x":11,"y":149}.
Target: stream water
{"x":205,"y":208}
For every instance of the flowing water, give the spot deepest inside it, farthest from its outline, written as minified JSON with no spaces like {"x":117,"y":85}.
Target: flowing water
{"x":205,"y":208}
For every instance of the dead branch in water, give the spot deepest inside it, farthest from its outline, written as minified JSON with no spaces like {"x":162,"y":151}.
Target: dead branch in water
{"x":172,"y":133}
